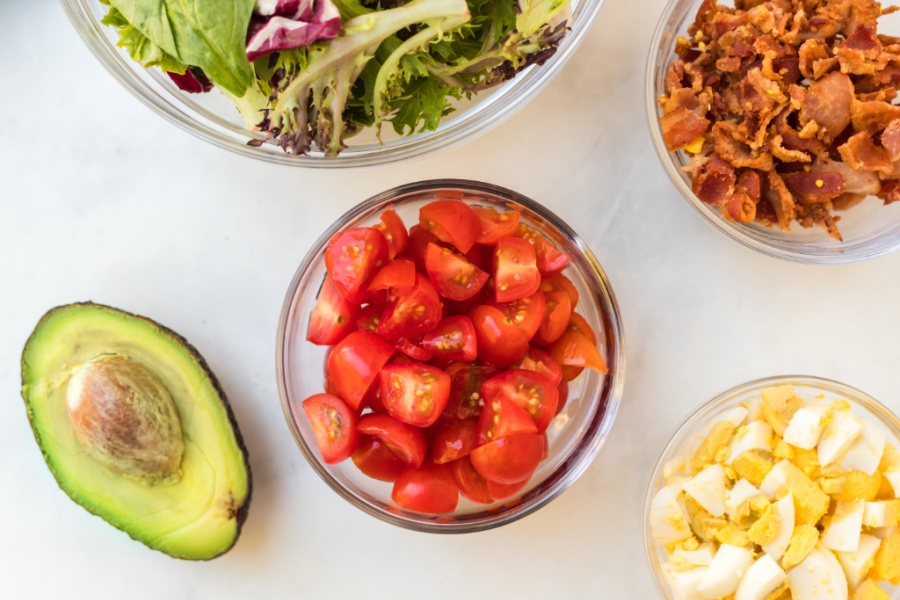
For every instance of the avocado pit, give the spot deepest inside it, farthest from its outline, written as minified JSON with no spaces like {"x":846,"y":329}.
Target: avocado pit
{"x":126,"y":419}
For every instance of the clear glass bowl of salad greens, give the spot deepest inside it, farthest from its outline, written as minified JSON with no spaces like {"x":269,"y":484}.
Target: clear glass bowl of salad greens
{"x":333,"y":83}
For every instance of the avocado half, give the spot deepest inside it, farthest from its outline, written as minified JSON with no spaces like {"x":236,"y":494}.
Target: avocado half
{"x":199,"y":516}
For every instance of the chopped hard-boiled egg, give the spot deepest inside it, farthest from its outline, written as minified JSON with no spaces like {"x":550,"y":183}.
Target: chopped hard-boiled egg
{"x":667,"y":519}
{"x":839,"y":435}
{"x":844,"y":530}
{"x":857,"y":564}
{"x":869,"y":590}
{"x":761,"y":579}
{"x":708,"y":488}
{"x":866,"y":452}
{"x":756,"y":435}
{"x":806,"y":426}
{"x":742,"y":491}
{"x":882,"y":514}
{"x":725,"y":572}
{"x":778,"y":544}
{"x":819,"y":577}
{"x":893,"y":478}
{"x":701,"y":556}
{"x":684,"y":584}
{"x":736,"y":416}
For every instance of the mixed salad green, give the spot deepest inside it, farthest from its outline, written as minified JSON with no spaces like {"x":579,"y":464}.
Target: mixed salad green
{"x":311,"y":73}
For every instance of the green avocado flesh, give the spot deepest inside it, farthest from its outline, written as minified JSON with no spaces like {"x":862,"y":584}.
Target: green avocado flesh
{"x":197,"y":517}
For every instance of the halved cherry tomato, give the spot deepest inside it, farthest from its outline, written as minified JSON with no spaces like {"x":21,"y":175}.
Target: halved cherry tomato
{"x":411,"y":313}
{"x":580,"y":324}
{"x":353,"y":257}
{"x":451,"y":221}
{"x":429,"y":489}
{"x":354,"y":363}
{"x":394,"y":231}
{"x":405,"y":441}
{"x":526,"y":312}
{"x":453,"y":339}
{"x":415,"y":247}
{"x":502,"y":418}
{"x":560,"y":282}
{"x":541,"y":363}
{"x":532,"y":392}
{"x":557,"y":312}
{"x":369,"y":317}
{"x":515,"y":270}
{"x":454,"y":440}
{"x":373,"y":399}
{"x":399,"y":273}
{"x":563,"y":396}
{"x":453,"y":275}
{"x":414,"y":393}
{"x":549,"y":259}
{"x":482,"y":257}
{"x":465,"y":390}
{"x":333,"y":316}
{"x":574,"y":349}
{"x":509,"y":460}
{"x":500,"y":341}
{"x":471,"y":485}
{"x":464,"y":307}
{"x":334,"y":426}
{"x":375,"y":459}
{"x":503,"y":491}
{"x":493,"y":224}
{"x":413,"y":351}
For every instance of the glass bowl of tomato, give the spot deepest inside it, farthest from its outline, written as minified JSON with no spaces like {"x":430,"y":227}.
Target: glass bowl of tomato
{"x":450,"y":356}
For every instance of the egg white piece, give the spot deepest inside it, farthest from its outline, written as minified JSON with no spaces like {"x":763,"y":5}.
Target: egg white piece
{"x":684,"y":584}
{"x":818,"y":577}
{"x":760,"y":580}
{"x":883,"y":533}
{"x":725,"y":572}
{"x":776,"y":478}
{"x":857,"y":564}
{"x":708,"y":488}
{"x":839,"y":435}
{"x":701,"y":557}
{"x":881,"y":514}
{"x":843,"y":532}
{"x":736,"y":416}
{"x":866,"y":452}
{"x":668,"y":521}
{"x":893,"y":478}
{"x":676,"y":484}
{"x":742,"y":491}
{"x":805,"y":427}
{"x":785,"y":509}
{"x":756,"y":435}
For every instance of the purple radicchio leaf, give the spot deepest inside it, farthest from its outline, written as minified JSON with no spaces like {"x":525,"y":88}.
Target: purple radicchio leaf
{"x":300,"y":10}
{"x":194,"y":81}
{"x":306,"y":25}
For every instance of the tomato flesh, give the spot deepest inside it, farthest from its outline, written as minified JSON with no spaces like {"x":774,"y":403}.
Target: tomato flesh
{"x":353,"y":257}
{"x":502,"y":418}
{"x":493,"y":224}
{"x":557,"y":312}
{"x":429,"y":489}
{"x":509,"y":460}
{"x":549,"y":259}
{"x":333,"y":316}
{"x":453,"y":275}
{"x":410,"y":313}
{"x":465,"y":390}
{"x":515,"y":270}
{"x":541,"y":363}
{"x":454,"y":440}
{"x":471,"y":485}
{"x":405,"y":441}
{"x":530,"y":391}
{"x":504,"y":491}
{"x":414,"y":393}
{"x":453,"y":339}
{"x":499,"y":340}
{"x":354,"y":363}
{"x":574,"y":349}
{"x":394,"y":232}
{"x":412,"y":350}
{"x":560,"y":282}
{"x":369,"y":317}
{"x":451,"y":221}
{"x":376,"y":460}
{"x":400,"y":273}
{"x":527,"y":313}
{"x":334,"y":426}
{"x":580,"y":324}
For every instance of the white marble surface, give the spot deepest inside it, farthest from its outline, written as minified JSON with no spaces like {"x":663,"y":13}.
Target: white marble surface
{"x":101,"y":199}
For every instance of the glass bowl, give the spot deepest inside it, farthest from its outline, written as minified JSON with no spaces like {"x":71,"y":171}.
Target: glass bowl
{"x":689,"y":434}
{"x":575,"y":435}
{"x":213,"y":118}
{"x":869,"y":229}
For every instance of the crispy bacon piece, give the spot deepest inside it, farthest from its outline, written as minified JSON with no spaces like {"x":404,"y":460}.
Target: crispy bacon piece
{"x":872,"y":117}
{"x":890,"y":140}
{"x":858,"y":182}
{"x":861,"y":153}
{"x":681,"y":127}
{"x":781,"y":200}
{"x":890,"y":192}
{"x":828,"y":103}
{"x":714,"y":180}
{"x":814,"y":188}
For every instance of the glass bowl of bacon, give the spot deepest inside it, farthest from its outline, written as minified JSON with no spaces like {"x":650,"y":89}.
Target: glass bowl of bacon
{"x":775,"y":121}
{"x":436,"y":412}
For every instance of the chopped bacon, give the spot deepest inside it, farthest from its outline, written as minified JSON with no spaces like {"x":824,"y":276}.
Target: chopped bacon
{"x":828,"y":103}
{"x":858,"y":182}
{"x":814,"y":187}
{"x":861,"y":153}
{"x":681,"y":127}
{"x":714,"y":181}
{"x":781,"y":200}
{"x":872,"y":117}
{"x":749,"y":183}
{"x":890,"y":192}
{"x":890,"y":140}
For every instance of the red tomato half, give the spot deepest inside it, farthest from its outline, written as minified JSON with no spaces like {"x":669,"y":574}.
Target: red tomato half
{"x":369,"y":317}
{"x":560,"y":282}
{"x":502,"y":418}
{"x":412,"y":312}
{"x":394,"y":231}
{"x":376,"y":460}
{"x":549,"y":259}
{"x":453,"y":275}
{"x":471,"y":485}
{"x":415,"y":248}
{"x":399,"y":273}
{"x":333,"y":316}
{"x":557,"y":312}
{"x":493,"y":224}
{"x":353,"y":257}
{"x":334,"y":426}
{"x":541,"y":363}
{"x":515,"y":270}
{"x":526,"y":312}
{"x":532,"y":392}
{"x":405,"y":441}
{"x":499,"y":340}
{"x":504,"y":491}
{"x":574,"y":349}
{"x":482,"y":257}
{"x":411,"y":350}
{"x":465,"y":390}
{"x":354,"y":364}
{"x":453,"y":339}
{"x":414,"y":393}
{"x":454,"y":440}
{"x":580,"y":324}
{"x":429,"y":489}
{"x":509,"y":460}
{"x":451,"y":221}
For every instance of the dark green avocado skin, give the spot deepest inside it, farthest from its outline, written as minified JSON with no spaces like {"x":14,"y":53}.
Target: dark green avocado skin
{"x":240,"y":513}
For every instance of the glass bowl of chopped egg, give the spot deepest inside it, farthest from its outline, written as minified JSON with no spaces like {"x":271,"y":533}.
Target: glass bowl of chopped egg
{"x":782,"y":488}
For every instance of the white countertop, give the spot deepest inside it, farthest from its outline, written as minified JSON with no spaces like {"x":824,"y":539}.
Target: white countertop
{"x":101,"y":199}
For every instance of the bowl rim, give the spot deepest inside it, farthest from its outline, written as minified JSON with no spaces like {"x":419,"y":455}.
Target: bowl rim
{"x":711,"y":217}
{"x":700,"y":416}
{"x":476,"y":121}
{"x":610,"y":390}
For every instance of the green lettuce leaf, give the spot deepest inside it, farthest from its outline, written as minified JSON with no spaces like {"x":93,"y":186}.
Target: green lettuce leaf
{"x":139,"y":46}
